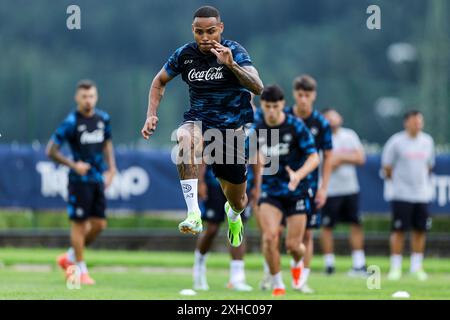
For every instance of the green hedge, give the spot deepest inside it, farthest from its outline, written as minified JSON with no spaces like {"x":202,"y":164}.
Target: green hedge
{"x":58,"y":220}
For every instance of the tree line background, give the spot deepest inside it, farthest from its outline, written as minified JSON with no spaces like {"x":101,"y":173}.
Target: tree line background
{"x":371,"y":76}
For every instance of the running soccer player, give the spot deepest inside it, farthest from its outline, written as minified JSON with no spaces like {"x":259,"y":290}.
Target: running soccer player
{"x":87,"y":130}
{"x":220,"y":77}
{"x":343,"y":195}
{"x":285,"y":140}
{"x":305,"y":92}
{"x":213,"y":201}
{"x":407,"y":160}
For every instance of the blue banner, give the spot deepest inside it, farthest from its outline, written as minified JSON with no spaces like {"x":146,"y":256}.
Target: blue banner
{"x":148,"y":181}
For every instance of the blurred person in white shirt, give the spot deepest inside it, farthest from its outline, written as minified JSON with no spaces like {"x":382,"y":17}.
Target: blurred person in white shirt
{"x":343,"y":195}
{"x":407,"y":160}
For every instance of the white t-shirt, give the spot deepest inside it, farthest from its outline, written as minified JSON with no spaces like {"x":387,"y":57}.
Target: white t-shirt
{"x":344,"y":180}
{"x":411,"y":160}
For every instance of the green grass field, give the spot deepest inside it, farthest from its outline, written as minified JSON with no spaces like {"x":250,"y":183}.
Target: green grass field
{"x":32,"y":274}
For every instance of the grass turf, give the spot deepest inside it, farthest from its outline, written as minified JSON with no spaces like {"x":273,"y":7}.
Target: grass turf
{"x":161,"y":275}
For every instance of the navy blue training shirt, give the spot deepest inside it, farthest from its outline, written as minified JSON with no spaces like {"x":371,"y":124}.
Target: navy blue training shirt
{"x":86,"y":137}
{"x":216,"y":96}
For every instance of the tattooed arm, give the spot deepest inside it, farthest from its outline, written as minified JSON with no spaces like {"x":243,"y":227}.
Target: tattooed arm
{"x":247,"y":75}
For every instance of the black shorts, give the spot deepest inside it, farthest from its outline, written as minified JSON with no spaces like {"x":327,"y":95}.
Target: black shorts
{"x":288,"y":205}
{"x":407,"y":215}
{"x":213,"y":208}
{"x":341,"y":209}
{"x":86,"y":200}
{"x":229,"y":159}
{"x":314,"y":218}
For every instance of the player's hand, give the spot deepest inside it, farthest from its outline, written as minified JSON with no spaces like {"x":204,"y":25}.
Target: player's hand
{"x":149,"y":127}
{"x":108,"y":177}
{"x":294,"y":179}
{"x":81,"y":168}
{"x":202,"y":191}
{"x":321,"y":198}
{"x":222,"y":53}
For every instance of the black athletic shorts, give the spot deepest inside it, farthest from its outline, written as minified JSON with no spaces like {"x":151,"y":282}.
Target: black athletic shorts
{"x":288,"y":205}
{"x":230,"y":161}
{"x":407,"y":215}
{"x":341,"y":209}
{"x":213,"y":208}
{"x":86,"y":200}
{"x":314,"y":218}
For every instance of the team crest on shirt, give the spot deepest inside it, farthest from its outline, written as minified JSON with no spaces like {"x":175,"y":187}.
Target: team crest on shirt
{"x":79,"y":212}
{"x":100,"y":125}
{"x":314,"y":130}
{"x":287,"y":137}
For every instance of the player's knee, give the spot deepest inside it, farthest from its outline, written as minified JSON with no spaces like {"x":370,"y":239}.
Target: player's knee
{"x":270,"y":238}
{"x":185,"y":138}
{"x":239,"y":204}
{"x":292,"y":245}
{"x":100,"y":225}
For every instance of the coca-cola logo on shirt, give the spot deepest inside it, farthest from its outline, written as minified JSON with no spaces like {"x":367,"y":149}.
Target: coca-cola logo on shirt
{"x":214,"y":73}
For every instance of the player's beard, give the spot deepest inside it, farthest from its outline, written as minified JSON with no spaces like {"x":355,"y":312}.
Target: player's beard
{"x":87,"y":108}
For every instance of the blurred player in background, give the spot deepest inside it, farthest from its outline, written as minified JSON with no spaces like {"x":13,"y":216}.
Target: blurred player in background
{"x":343,"y":195}
{"x":87,"y":130}
{"x":212,"y":204}
{"x":220,"y":76}
{"x":305,"y":93}
{"x":284,"y":192}
{"x":407,"y":160}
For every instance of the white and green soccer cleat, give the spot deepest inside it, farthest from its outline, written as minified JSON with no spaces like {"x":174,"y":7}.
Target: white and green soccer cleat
{"x":420,"y":275}
{"x":395,"y":274}
{"x":235,"y":229}
{"x":192,"y":224}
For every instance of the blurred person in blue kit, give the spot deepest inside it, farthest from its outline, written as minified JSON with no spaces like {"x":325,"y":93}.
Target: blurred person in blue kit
{"x":87,"y":131}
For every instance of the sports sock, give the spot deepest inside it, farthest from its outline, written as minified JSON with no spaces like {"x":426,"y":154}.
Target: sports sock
{"x":189,"y":187}
{"x":296,"y":264}
{"x":200,"y":259}
{"x":234,"y":215}
{"x":416,"y":261}
{"x":71,"y":255}
{"x":266,"y":267}
{"x":396,"y":261}
{"x":237,"y":273}
{"x":329,"y":260}
{"x":304,"y":276}
{"x":82,"y":266}
{"x":277,"y":281}
{"x":359,"y":259}
{"x":199,"y":268}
